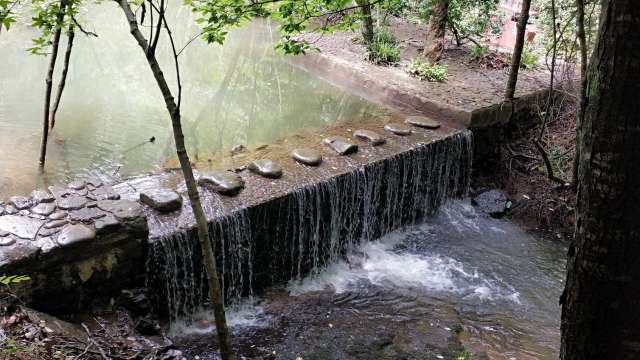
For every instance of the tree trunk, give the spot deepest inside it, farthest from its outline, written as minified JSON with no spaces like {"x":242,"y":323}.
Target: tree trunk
{"x":601,"y":301}
{"x":63,"y":77}
{"x":517,"y":50}
{"x":434,"y":44}
{"x":367,"y":20}
{"x":206,"y":245}
{"x":582,"y":40}
{"x":49,"y":82}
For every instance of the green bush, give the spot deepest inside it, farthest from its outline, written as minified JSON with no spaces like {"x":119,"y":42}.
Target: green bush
{"x":529,"y":60}
{"x":477,"y":51}
{"x":383,"y":49}
{"x":425,"y":71}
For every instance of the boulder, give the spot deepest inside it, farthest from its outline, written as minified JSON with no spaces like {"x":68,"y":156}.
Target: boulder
{"x":369,"y":136}
{"x":267,"y":168}
{"x":492,"y":202}
{"x":161,"y":199}
{"x":222,"y":181}
{"x":307,"y":156}
{"x":398,"y":129}
{"x":341,"y":145}
{"x":423,"y":122}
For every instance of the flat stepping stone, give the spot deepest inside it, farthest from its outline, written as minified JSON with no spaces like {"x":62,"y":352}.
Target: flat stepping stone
{"x":42,"y":196}
{"x":58,"y":215}
{"x":121,"y":209}
{"x":222,"y":181}
{"x":423,"y":122}
{"x":72,"y":202}
{"x":76,"y":233}
{"x":341,"y":145}
{"x":45,"y":208}
{"x":86,"y":214}
{"x":161,"y":199}
{"x":56,"y":224}
{"x":77,"y":185}
{"x":267,"y":168}
{"x":106,"y":223}
{"x":307,"y":156}
{"x":398,"y":129}
{"x":369,"y":136}
{"x":104,"y":193}
{"x":21,"y":226}
{"x":7,"y":241}
{"x":21,"y":202}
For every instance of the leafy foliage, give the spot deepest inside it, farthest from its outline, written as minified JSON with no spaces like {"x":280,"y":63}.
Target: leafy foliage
{"x":426,"y":71}
{"x":383,"y":50}
{"x":530,"y":60}
{"x":7,"y":16}
{"x":478,"y":51}
{"x":13,"y":279}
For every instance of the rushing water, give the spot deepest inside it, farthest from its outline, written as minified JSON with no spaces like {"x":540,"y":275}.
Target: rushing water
{"x":240,"y":93}
{"x":494,"y":282}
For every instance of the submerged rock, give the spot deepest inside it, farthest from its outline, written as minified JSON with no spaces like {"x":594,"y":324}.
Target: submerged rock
{"x":371,"y":137}
{"x":45,"y":208}
{"x":267,"y":168}
{"x":398,"y":129}
{"x":492,"y":202}
{"x":121,"y":209}
{"x":72,"y":202}
{"x":341,"y":145}
{"x":42,"y":196}
{"x":20,"y":226}
{"x":423,"y":122}
{"x":21,"y":202}
{"x":307,"y":156}
{"x":162,"y":199}
{"x":222,"y":181}
{"x":72,"y":234}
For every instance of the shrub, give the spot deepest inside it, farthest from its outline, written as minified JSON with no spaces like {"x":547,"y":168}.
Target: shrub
{"x":425,"y":71}
{"x":478,"y":51}
{"x":529,"y":60}
{"x":383,"y":49}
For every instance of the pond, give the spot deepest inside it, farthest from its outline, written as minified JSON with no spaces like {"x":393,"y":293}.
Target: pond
{"x":241,"y":93}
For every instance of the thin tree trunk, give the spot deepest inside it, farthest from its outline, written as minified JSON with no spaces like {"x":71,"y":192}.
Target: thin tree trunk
{"x":582,"y":39}
{"x":434,"y":44}
{"x":601,"y":301}
{"x":367,"y":20}
{"x":63,"y":77}
{"x":49,"y":82}
{"x":206,"y":244}
{"x":517,"y":50}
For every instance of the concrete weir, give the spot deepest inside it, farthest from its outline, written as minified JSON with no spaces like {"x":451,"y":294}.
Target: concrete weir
{"x":95,"y":239}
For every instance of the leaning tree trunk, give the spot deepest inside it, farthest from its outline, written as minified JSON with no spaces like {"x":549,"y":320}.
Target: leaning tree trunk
{"x":367,"y":20}
{"x":601,"y":301}
{"x":434,"y":44}
{"x":582,"y":40}
{"x":517,"y":50}
{"x":49,"y":82}
{"x":63,"y":77}
{"x":209,"y":259}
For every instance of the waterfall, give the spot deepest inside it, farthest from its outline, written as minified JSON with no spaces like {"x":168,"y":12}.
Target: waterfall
{"x":312,"y":226}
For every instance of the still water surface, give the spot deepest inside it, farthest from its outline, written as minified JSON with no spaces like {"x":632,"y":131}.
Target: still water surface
{"x":240,"y":93}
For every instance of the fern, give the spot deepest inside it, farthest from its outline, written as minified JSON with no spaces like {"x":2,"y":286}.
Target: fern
{"x":13,"y":279}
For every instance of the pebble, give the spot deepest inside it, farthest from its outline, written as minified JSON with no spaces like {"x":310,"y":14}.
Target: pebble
{"x":398,"y":129}
{"x":267,"y":168}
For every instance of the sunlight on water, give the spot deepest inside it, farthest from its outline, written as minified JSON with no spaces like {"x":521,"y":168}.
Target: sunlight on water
{"x":240,"y":93}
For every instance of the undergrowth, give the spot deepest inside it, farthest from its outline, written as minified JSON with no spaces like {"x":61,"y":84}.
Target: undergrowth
{"x":383,"y":49}
{"x":426,"y":71}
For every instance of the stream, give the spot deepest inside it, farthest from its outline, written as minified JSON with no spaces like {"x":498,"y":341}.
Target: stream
{"x":458,"y":282}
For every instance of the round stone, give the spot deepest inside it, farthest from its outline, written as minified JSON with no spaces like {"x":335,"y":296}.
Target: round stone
{"x":76,"y":233}
{"x":21,"y":202}
{"x":222,"y":181}
{"x":307,"y":156}
{"x":42,"y":196}
{"x":7,"y":240}
{"x":369,"y":136}
{"x":58,"y":215}
{"x":341,"y":145}
{"x":161,"y":199}
{"x":423,"y":122}
{"x":122,"y":209}
{"x":267,"y":168}
{"x":72,"y":202}
{"x":44,"y":208}
{"x":398,"y":129}
{"x":77,"y":184}
{"x":56,"y":224}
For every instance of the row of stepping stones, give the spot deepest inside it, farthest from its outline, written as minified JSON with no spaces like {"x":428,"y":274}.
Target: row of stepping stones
{"x":229,"y":183}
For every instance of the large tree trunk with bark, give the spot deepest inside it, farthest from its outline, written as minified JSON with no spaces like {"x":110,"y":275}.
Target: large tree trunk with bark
{"x":367,"y":20}
{"x":601,"y":301}
{"x":434,"y":44}
{"x":582,"y":40}
{"x":517,"y":50}
{"x":49,"y":82}
{"x":206,"y":245}
{"x":63,"y":77}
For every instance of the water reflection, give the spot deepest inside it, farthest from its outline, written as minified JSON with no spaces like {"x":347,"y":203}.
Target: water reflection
{"x":242,"y":93}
